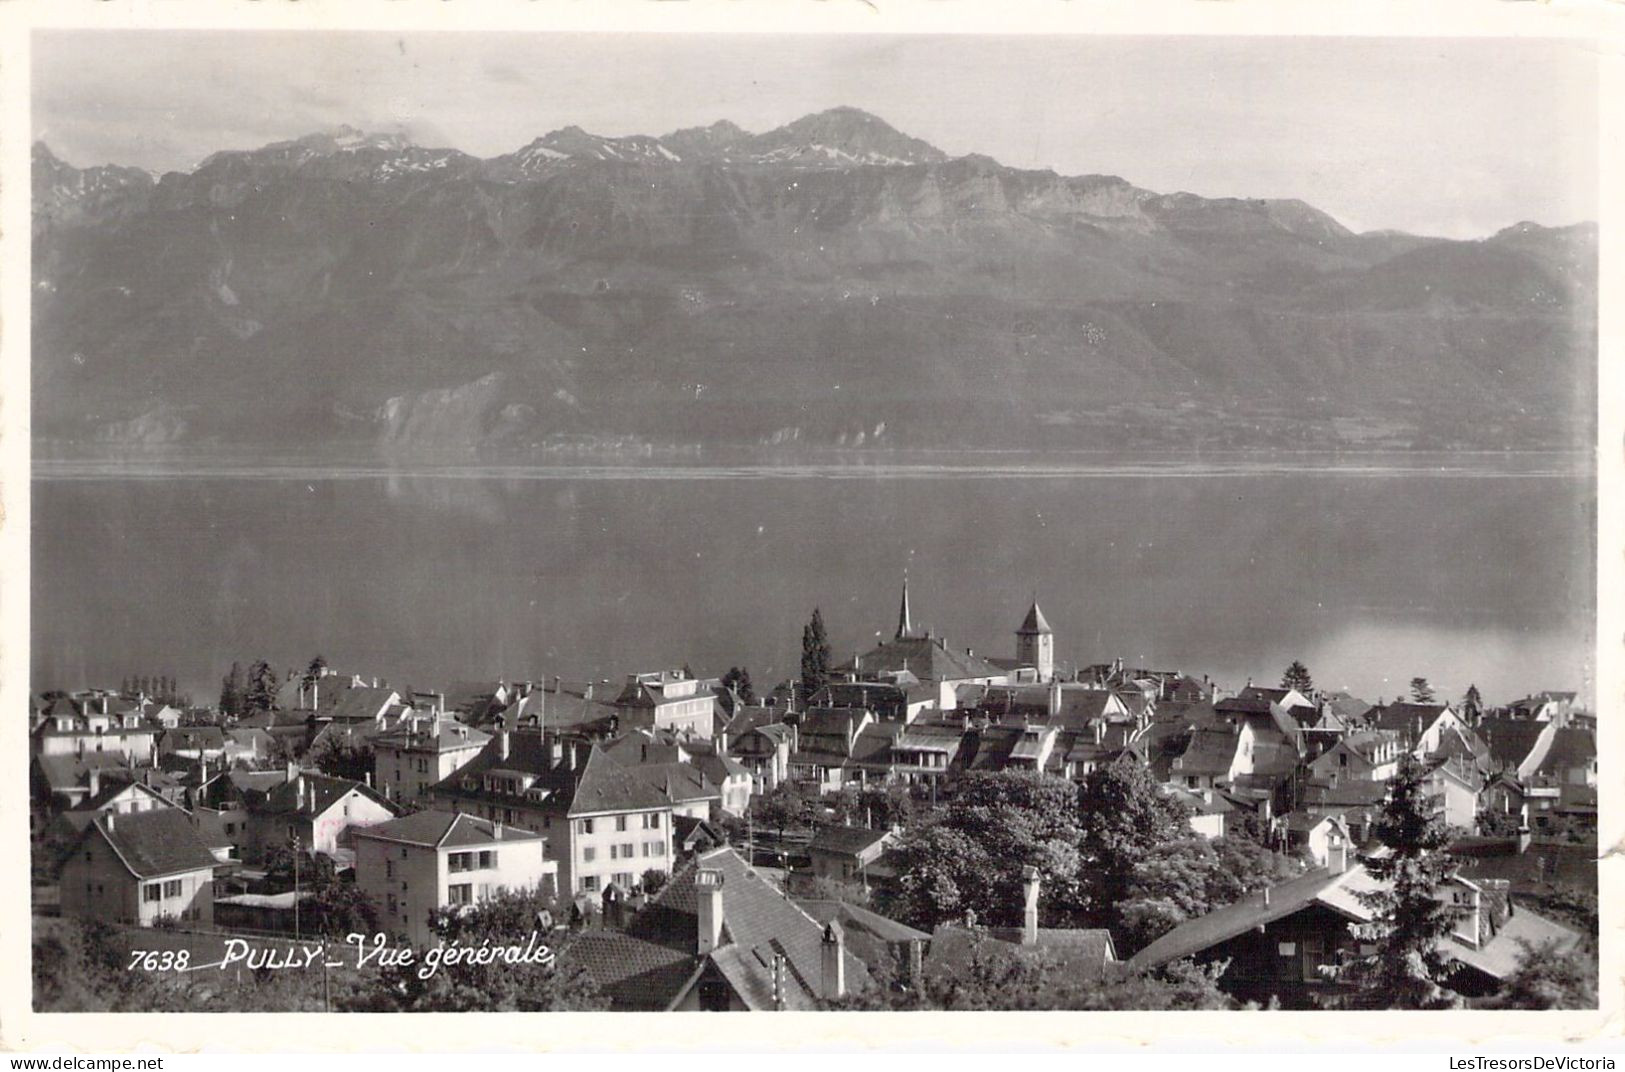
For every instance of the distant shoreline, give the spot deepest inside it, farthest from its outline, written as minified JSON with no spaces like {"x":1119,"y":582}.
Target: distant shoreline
{"x":830,"y":463}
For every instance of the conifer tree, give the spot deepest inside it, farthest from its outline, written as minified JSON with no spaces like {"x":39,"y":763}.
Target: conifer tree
{"x":1407,"y":967}
{"x":815,"y":654}
{"x":1297,"y":677}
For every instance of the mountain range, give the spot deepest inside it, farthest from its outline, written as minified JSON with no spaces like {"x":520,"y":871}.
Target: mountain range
{"x":830,"y":283}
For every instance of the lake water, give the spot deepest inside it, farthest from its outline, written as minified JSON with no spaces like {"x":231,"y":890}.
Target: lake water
{"x":1371,"y":573}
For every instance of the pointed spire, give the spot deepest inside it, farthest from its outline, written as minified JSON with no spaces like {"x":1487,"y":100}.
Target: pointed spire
{"x":1034,"y":624}
{"x":905,"y":625}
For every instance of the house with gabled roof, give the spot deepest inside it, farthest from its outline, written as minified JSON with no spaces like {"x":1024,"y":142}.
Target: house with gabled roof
{"x":719,"y":937}
{"x":139,"y":868}
{"x":1278,"y":940}
{"x":604,"y":821}
{"x":1517,"y":746}
{"x":1372,"y":755}
{"x":825,"y":738}
{"x":417,"y":863}
{"x":419,"y":753}
{"x":840,"y":853}
{"x":1085,"y":954}
{"x":317,"y":811}
{"x":925,"y":751}
{"x":668,"y":700}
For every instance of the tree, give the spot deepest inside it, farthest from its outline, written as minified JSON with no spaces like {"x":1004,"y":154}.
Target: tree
{"x":815,"y":654}
{"x":233,"y":692}
{"x":1472,"y":704}
{"x":970,"y":857}
{"x":314,"y":672}
{"x":1297,"y":677}
{"x":260,"y":693}
{"x":1548,"y":977}
{"x":998,"y":976}
{"x":1421,"y":691}
{"x":654,"y":880}
{"x":347,"y":759}
{"x":1126,"y":816}
{"x":780,"y":809}
{"x":511,"y":918}
{"x":1407,"y":966}
{"x":1183,"y":879}
{"x":738,"y":679}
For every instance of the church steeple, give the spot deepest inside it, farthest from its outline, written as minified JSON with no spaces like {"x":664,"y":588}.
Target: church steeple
{"x":905,"y":624}
{"x":1035,"y":643}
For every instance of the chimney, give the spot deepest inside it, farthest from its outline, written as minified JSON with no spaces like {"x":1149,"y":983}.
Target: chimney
{"x":916,"y":965}
{"x":112,"y":821}
{"x":1266,"y":896}
{"x":1337,"y":853}
{"x":1029,"y":910}
{"x":290,"y":771}
{"x":368,"y":777}
{"x":502,"y":744}
{"x":708,"y":888}
{"x":833,"y":962}
{"x":1524,"y":835}
{"x":95,"y":781}
{"x":1054,"y":697}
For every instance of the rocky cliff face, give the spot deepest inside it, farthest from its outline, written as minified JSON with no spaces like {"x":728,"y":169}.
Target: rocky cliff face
{"x":715,"y":286}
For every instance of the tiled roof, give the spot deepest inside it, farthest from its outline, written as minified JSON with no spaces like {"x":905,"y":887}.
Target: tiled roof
{"x":845,"y":840}
{"x":1222,"y":924}
{"x":440,"y":828}
{"x":649,"y":965}
{"x":1571,"y":748}
{"x":417,"y":735}
{"x":1402,"y":716}
{"x":1511,"y":740}
{"x":1081,"y":953}
{"x":1211,"y":751}
{"x":361,"y":703}
{"x":155,"y":843}
{"x":927,"y":658}
{"x":189,"y":737}
{"x":312,"y":794}
{"x":857,"y":918}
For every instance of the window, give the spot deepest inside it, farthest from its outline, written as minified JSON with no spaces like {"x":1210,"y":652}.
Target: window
{"x":589,"y":854}
{"x":172,"y":888}
{"x":394,"y":908}
{"x":586,"y":826}
{"x":488,"y":859}
{"x":460,"y":894}
{"x":614,"y":852}
{"x":1288,"y":949}
{"x":589,"y":883}
{"x":389,"y":868}
{"x":620,"y":823}
{"x":460,"y":861}
{"x":152,"y":891}
{"x":628,"y":850}
{"x":403,"y":852}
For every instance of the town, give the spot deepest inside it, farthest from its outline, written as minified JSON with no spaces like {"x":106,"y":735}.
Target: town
{"x":920,"y":826}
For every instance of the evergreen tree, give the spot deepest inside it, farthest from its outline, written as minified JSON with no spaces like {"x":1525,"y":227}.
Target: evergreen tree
{"x":815,"y":654}
{"x":232,"y":692}
{"x":738,"y":679}
{"x":1472,"y":704}
{"x":1407,"y":968}
{"x":1297,"y":677}
{"x":314,"y":672}
{"x":260,"y":694}
{"x":1421,"y":691}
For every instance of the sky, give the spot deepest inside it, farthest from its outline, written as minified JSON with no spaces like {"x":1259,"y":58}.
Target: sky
{"x":1451,"y":137}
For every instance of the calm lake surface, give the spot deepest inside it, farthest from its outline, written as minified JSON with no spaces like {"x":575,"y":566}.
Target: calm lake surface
{"x":1477,"y":570}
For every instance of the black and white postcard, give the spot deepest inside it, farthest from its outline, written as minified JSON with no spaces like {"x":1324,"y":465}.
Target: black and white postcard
{"x":807,"y":510}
